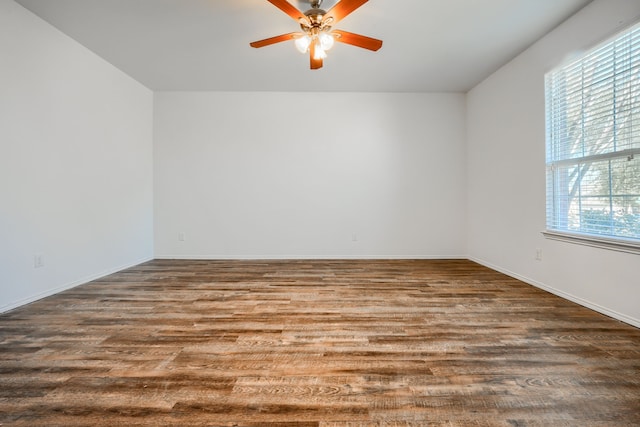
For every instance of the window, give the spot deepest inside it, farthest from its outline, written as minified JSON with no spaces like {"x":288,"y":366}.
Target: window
{"x":593,"y":145}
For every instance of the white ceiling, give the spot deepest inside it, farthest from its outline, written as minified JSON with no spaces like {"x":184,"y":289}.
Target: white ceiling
{"x":194,"y":45}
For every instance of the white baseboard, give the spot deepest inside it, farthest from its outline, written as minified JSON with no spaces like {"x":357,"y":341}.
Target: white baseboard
{"x":57,"y":289}
{"x":306,"y":257}
{"x":585,"y":303}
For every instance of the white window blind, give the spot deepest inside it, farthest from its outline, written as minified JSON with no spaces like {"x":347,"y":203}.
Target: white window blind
{"x":593,"y":142}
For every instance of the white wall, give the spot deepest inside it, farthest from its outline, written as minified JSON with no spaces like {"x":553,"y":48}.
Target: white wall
{"x":506,"y":174}
{"x":75,"y":162}
{"x":296,"y":175}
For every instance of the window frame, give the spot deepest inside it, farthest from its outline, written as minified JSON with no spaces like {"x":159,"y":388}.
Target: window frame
{"x":553,"y":227}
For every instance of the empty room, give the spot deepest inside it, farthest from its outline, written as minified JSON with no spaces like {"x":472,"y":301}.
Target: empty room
{"x":319,"y":213}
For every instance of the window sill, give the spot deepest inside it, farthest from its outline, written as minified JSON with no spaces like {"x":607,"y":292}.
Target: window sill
{"x":620,"y":245}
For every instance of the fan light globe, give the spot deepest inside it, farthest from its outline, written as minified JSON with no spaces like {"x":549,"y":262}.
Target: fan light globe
{"x":319,"y":51}
{"x":302,"y":44}
{"x":326,"y":41}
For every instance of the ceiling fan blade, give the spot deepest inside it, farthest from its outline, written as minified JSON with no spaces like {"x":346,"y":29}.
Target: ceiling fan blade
{"x":274,"y":40}
{"x":289,"y":9}
{"x":315,"y":63}
{"x":342,"y":9}
{"x":357,"y":40}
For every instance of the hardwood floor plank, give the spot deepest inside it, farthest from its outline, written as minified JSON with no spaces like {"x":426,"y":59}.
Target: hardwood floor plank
{"x":315,"y":343}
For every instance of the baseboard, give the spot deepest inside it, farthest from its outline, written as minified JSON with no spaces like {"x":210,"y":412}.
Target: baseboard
{"x":585,"y":303}
{"x":70,"y":285}
{"x":306,"y":257}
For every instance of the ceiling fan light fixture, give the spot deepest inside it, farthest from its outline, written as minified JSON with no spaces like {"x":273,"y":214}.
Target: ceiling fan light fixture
{"x":318,"y":52}
{"x":326,"y":41}
{"x":302,"y":43}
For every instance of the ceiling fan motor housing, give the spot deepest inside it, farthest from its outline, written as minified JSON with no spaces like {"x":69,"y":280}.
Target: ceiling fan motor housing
{"x":315,"y":16}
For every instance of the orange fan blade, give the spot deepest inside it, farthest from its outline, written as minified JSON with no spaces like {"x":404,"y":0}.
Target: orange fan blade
{"x":274,"y":40}
{"x":357,"y":40}
{"x":315,"y":63}
{"x":342,"y":9}
{"x":289,"y":9}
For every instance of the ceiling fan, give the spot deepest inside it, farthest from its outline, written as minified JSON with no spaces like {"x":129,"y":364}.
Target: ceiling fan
{"x":317,"y":34}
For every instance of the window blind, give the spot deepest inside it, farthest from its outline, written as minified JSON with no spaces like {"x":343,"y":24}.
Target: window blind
{"x":593,"y":141}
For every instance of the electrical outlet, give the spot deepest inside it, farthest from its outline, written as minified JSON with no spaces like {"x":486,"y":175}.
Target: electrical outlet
{"x":354,"y":237}
{"x":182,"y":237}
{"x":538,"y":254}
{"x":38,"y":260}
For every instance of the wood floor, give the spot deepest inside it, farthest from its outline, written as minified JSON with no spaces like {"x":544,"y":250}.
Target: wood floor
{"x":315,"y":343}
